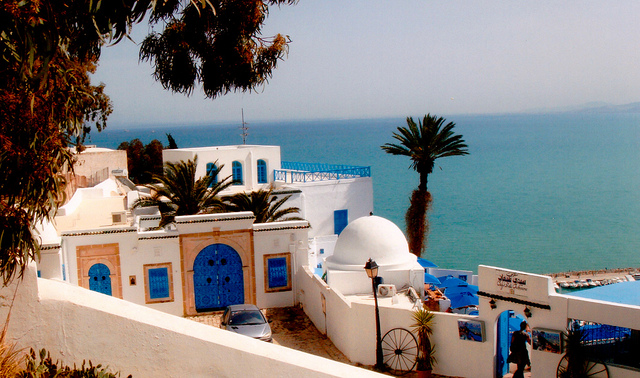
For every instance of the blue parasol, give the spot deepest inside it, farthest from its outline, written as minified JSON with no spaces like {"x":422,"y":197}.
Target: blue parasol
{"x":473,"y":289}
{"x":426,"y":263}
{"x":451,"y":281}
{"x":463,"y":299}
{"x":431,"y":279}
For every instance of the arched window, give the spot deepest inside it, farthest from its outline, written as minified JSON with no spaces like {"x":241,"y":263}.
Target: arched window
{"x":212,"y":171}
{"x":262,"y":172}
{"x":237,"y":173}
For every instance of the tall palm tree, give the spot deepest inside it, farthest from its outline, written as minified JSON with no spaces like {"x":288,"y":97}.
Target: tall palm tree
{"x":177,"y":192}
{"x":264,"y":205}
{"x":423,"y":143}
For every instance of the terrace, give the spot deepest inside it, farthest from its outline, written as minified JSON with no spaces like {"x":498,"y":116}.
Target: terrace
{"x":292,"y":172}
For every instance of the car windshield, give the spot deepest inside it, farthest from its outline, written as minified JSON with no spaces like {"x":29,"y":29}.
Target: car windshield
{"x":246,"y":317}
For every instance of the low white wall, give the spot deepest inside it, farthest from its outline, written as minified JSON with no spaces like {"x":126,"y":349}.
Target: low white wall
{"x":75,"y":324}
{"x":312,"y":296}
{"x":352,"y":329}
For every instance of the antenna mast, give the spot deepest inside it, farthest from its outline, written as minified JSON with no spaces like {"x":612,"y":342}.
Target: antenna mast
{"x":244,"y":129}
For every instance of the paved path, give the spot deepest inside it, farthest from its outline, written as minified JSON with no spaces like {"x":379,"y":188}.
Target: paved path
{"x":292,"y":328}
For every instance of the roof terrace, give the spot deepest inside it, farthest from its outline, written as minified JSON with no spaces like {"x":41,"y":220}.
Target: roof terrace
{"x":291,"y":172}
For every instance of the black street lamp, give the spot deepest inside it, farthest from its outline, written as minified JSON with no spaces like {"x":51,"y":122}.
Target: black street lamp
{"x":372,"y":272}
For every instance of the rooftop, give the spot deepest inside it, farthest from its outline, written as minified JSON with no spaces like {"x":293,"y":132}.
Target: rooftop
{"x":627,"y":293}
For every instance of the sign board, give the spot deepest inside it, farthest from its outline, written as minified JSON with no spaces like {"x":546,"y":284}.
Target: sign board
{"x":511,"y":283}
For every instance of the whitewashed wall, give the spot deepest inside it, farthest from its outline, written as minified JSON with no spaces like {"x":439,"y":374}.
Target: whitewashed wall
{"x":75,"y":324}
{"x":274,"y":238}
{"x":351,"y":326}
{"x":248,"y":155}
{"x":320,"y":199}
{"x":562,"y":307}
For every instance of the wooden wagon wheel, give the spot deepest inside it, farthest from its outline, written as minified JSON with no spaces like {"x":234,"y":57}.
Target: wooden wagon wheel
{"x":399,"y":351}
{"x":595,"y":369}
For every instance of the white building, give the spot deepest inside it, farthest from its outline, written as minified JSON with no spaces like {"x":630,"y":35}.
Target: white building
{"x":329,"y":196}
{"x":99,"y":246}
{"x":201,"y":263}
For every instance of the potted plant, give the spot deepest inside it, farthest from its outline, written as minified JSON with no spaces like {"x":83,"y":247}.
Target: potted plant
{"x":423,"y":326}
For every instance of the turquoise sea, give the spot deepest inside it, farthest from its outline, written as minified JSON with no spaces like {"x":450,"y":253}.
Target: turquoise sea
{"x":541,"y":193}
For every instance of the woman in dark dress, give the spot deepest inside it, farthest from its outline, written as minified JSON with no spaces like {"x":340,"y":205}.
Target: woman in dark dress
{"x":519,"y":354}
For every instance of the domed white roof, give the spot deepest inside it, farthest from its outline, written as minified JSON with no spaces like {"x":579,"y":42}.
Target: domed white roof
{"x":370,"y":237}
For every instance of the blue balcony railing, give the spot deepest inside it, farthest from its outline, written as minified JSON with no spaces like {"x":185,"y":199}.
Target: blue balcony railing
{"x":309,"y":172}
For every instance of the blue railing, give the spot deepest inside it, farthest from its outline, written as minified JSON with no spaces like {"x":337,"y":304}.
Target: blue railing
{"x":611,"y":344}
{"x":308,"y":172}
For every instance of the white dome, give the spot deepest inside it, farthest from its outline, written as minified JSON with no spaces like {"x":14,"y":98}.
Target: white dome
{"x":370,"y":237}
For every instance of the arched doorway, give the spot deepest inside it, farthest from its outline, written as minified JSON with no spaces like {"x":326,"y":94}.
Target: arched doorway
{"x":217,"y":278}
{"x":508,"y":323}
{"x":100,"y":278}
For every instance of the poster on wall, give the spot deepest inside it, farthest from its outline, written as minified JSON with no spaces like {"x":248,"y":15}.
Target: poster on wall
{"x":547,"y":340}
{"x":471,"y":330}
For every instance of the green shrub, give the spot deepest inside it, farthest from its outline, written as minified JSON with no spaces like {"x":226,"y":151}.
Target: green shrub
{"x":46,"y":368}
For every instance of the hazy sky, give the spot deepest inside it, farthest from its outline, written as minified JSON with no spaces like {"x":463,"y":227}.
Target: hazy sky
{"x":382,"y":58}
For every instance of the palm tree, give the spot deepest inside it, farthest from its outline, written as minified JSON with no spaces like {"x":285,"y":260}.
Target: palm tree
{"x":423,"y":143}
{"x":177,"y":192}
{"x":264,"y":205}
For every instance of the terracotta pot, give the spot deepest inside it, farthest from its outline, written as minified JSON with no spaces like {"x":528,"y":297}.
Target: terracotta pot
{"x":424,"y":373}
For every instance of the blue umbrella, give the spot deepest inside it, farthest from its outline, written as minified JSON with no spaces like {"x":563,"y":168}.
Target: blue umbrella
{"x":451,"y":281}
{"x":431,"y":279}
{"x":426,"y":263}
{"x":473,"y":289}
{"x":463,"y":299}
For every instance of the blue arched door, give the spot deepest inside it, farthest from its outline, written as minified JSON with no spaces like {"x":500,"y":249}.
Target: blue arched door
{"x":217,"y":278}
{"x":508,"y":323}
{"x":100,"y":279}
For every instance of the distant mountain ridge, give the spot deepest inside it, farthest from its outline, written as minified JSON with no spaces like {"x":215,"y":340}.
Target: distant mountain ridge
{"x":592,"y":107}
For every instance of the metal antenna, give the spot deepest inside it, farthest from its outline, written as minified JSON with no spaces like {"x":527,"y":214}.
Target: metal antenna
{"x":244,"y":129}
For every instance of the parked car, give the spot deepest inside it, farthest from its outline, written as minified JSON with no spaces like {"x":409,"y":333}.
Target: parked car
{"x":248,"y":320}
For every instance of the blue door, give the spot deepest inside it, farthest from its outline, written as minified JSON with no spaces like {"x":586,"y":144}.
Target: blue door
{"x":503,"y":341}
{"x":217,"y":278}
{"x":508,"y":323}
{"x":99,"y":279}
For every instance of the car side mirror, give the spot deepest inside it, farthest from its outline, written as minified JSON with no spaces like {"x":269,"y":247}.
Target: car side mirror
{"x":269,"y":321}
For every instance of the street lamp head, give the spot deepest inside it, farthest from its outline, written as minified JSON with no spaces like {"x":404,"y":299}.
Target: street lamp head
{"x":371,"y":268}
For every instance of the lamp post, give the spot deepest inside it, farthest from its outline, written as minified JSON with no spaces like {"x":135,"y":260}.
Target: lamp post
{"x":372,"y":272}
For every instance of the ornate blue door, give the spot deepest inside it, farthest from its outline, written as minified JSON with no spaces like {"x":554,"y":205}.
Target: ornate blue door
{"x":99,"y":279}
{"x":217,"y":278}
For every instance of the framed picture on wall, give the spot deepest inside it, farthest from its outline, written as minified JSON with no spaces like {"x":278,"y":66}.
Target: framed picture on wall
{"x":546,"y":340}
{"x":277,"y":272}
{"x":471,"y":330}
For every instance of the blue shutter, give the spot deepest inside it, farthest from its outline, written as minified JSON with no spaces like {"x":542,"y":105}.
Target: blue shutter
{"x":277,"y":271}
{"x":158,"y":283}
{"x":211,"y":169}
{"x":237,"y":173}
{"x":262,"y":172}
{"x":340,"y":220}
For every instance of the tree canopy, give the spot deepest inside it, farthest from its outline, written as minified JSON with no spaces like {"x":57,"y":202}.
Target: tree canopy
{"x":263,"y":204}
{"x":48,"y":49}
{"x":178,"y":192}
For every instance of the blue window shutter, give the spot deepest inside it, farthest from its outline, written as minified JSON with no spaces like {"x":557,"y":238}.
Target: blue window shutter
{"x":340,"y":220}
{"x":237,"y":173}
{"x":211,"y":168}
{"x":158,"y":283}
{"x":262,"y":172}
{"x":277,"y":270}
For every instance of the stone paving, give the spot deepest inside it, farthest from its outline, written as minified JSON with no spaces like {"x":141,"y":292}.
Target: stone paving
{"x":292,"y":328}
